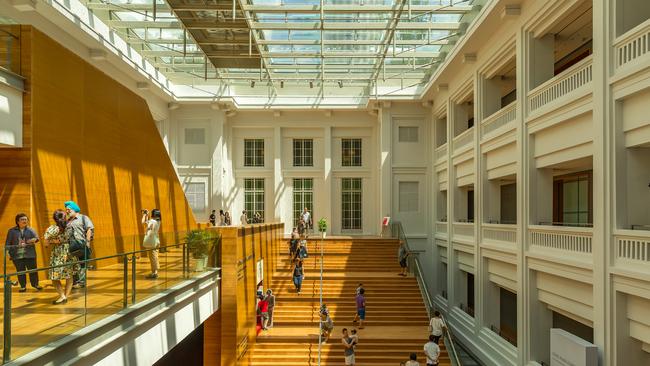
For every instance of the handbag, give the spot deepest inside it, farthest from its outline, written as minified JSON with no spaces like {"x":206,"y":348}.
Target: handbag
{"x":150,"y":240}
{"x":77,"y":248}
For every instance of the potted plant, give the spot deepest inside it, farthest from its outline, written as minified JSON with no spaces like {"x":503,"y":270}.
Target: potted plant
{"x":322,"y":226}
{"x":200,"y":242}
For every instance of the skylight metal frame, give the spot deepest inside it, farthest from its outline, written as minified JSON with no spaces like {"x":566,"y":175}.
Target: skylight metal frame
{"x":318,"y":42}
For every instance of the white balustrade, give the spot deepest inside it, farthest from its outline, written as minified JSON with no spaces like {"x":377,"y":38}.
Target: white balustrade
{"x":464,"y":229}
{"x":569,"y":80}
{"x":440,"y":152}
{"x":633,"y":247}
{"x":633,"y":44}
{"x":572,"y":239}
{"x":499,"y":118}
{"x":464,"y":139}
{"x":499,"y":233}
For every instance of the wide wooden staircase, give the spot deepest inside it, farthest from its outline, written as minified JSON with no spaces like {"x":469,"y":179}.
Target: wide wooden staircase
{"x":396,"y":317}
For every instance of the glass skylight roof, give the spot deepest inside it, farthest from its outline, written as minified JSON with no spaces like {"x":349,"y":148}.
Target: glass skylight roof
{"x":359,"y":46}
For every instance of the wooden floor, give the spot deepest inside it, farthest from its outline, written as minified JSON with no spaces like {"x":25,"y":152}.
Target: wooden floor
{"x":35,"y":322}
{"x":396,"y":320}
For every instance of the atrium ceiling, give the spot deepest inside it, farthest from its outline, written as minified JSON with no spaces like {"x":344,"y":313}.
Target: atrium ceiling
{"x":310,"y":48}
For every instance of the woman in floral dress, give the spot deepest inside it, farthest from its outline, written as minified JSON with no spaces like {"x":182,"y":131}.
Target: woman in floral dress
{"x":57,"y":236}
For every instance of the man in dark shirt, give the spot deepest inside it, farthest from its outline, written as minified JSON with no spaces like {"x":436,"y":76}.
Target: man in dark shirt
{"x":83,"y":231}
{"x":20,"y":245}
{"x":361,"y":307}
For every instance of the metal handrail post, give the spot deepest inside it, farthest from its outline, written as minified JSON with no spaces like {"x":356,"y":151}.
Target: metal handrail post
{"x":133,"y":279}
{"x":6,"y":341}
{"x":125,"y":278}
{"x":320,"y":320}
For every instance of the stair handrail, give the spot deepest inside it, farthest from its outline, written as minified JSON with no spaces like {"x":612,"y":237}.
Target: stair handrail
{"x":320,"y":320}
{"x":401,"y":236}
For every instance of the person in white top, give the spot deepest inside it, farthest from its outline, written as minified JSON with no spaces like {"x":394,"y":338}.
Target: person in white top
{"x":436,"y":327}
{"x":243,"y":218}
{"x":432,"y":351}
{"x":306,"y":217}
{"x":152,"y":228}
{"x":412,"y":360}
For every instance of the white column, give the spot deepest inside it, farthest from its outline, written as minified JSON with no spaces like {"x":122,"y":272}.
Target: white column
{"x":602,"y":173}
{"x":217,"y":164}
{"x":385,"y":164}
{"x":451,"y":206}
{"x":326,"y":210}
{"x":278,"y":182}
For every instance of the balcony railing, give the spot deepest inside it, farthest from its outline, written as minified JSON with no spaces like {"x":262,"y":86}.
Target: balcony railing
{"x":499,"y":233}
{"x":464,"y":139}
{"x":572,"y":239}
{"x":499,"y":118}
{"x":441,"y":152}
{"x":569,"y":80}
{"x":634,"y":247}
{"x":464,"y":229}
{"x":633,"y":44}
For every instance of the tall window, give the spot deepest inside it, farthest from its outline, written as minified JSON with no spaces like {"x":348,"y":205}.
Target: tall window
{"x":351,"y":203}
{"x":408,"y":196}
{"x":254,"y":152}
{"x":303,"y":196}
{"x":195,"y":194}
{"x":351,"y":152}
{"x":572,"y":199}
{"x":254,"y":197}
{"x":303,"y":152}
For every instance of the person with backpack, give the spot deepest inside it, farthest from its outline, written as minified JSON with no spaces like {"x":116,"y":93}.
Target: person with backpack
{"x":263,"y":306}
{"x":82,"y":234}
{"x":293,"y":243}
{"x":213,"y":218}
{"x":152,"y":240}
{"x":437,"y":327}
{"x":432,"y":351}
{"x":298,"y":275}
{"x":361,"y":308}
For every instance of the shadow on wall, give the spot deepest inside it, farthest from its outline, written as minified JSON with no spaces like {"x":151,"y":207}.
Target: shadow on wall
{"x":95,"y":142}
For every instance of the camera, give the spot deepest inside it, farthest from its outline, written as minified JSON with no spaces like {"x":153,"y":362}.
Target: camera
{"x":145,"y":211}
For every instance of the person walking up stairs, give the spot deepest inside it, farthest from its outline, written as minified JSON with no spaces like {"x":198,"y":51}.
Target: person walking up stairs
{"x":397,"y":322}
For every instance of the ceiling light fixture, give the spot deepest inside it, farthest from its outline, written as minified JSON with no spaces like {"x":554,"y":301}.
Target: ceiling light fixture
{"x":340,"y":83}
{"x":252,"y":83}
{"x":281,"y":83}
{"x":311,"y":85}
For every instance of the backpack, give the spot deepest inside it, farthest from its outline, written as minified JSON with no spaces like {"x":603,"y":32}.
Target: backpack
{"x":303,"y":252}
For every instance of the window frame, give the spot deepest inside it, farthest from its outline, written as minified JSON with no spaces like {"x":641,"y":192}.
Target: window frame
{"x":254,"y":153}
{"x":303,"y":156}
{"x":254,"y":188}
{"x":351,"y":155}
{"x":354,"y":192}
{"x":306,"y":198}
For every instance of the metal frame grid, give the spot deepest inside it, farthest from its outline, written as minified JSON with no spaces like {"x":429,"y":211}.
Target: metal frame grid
{"x":278,"y":43}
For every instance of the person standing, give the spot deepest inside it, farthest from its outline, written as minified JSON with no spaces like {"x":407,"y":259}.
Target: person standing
{"x":293,"y":243}
{"x":57,"y":236}
{"x":301,"y":227}
{"x":361,"y":308}
{"x":348,"y":344}
{"x":326,"y":322}
{"x":270,"y":299}
{"x":402,"y":255}
{"x":432,"y":351}
{"x":306,"y":218}
{"x":298,"y":275}
{"x":213,"y":218}
{"x":20,"y":243}
{"x":152,"y":240}
{"x":243,"y":218}
{"x":227,"y":219}
{"x":222,"y":218}
{"x":413,"y":360}
{"x":437,"y":327}
{"x":82,"y":234}
{"x":263,"y":305}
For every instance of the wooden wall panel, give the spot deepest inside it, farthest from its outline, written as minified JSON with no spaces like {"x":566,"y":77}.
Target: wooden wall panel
{"x":241,"y":248}
{"x":90,"y":139}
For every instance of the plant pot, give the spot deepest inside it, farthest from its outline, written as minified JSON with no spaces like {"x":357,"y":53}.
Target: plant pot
{"x":322,"y":234}
{"x":200,"y":263}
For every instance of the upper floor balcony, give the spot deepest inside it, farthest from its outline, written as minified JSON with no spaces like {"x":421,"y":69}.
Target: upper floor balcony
{"x":576,"y":77}
{"x":572,"y":241}
{"x":632,"y":46}
{"x":504,"y":117}
{"x":440,"y":154}
{"x":464,"y":139}
{"x":500,"y":234}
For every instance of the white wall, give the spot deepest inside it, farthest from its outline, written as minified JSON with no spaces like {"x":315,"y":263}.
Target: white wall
{"x":11,"y":116}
